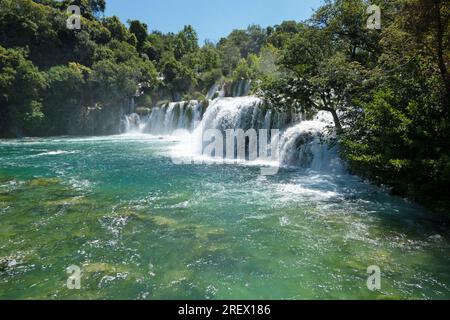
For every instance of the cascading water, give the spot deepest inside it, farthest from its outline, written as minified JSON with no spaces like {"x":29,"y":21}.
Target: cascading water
{"x":233,"y":113}
{"x":301,"y":143}
{"x":241,"y":88}
{"x":164,"y":120}
{"x":132,"y":123}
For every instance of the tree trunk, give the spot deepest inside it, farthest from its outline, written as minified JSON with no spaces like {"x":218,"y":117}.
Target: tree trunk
{"x":337,"y":122}
{"x":440,"y":48}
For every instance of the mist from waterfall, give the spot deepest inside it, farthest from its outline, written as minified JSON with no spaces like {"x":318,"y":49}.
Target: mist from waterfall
{"x":301,"y":143}
{"x":306,"y":145}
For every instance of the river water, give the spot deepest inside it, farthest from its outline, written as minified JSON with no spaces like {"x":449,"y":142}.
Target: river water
{"x":141,"y":227}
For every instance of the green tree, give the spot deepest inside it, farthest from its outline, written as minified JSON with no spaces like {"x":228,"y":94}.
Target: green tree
{"x":116,"y":28}
{"x":318,"y":76}
{"x":20,"y":87}
{"x":230,"y":56}
{"x":177,"y":77}
{"x":68,"y":84}
{"x":247,"y":69}
{"x":429,"y":23}
{"x":185,"y":42}
{"x":140,"y":31}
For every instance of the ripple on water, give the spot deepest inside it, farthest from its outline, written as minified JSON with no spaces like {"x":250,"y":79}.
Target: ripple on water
{"x":117,"y":206}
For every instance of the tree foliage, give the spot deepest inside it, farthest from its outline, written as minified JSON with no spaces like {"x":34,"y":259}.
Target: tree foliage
{"x":388,"y":90}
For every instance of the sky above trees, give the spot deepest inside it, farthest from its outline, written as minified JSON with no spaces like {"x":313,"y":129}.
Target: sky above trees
{"x":211,"y":19}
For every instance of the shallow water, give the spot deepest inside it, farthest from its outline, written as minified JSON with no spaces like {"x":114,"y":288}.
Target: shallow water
{"x":141,"y":227}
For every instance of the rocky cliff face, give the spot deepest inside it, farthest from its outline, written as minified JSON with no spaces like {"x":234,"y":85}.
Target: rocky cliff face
{"x":100,"y":120}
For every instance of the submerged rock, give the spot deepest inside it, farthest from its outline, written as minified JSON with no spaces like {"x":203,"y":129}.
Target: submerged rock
{"x":44,"y":182}
{"x":205,"y":233}
{"x":98,"y":267}
{"x":6,"y":180}
{"x":173,"y":278}
{"x":165,"y":222}
{"x":103,"y":268}
{"x":4,"y":197}
{"x":130,"y":215}
{"x":356,"y":264}
{"x":67,"y":201}
{"x":3,"y":265}
{"x":10,"y":262}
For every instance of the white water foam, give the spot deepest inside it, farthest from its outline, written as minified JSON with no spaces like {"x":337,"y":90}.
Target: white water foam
{"x":301,"y":143}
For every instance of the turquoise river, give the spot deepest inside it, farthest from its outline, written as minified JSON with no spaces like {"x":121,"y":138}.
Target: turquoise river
{"x":140,"y":227}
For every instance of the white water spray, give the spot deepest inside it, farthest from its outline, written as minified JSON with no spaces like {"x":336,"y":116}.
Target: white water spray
{"x":301,"y":143}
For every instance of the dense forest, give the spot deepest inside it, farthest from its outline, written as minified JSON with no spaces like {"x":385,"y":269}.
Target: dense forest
{"x":388,"y":90}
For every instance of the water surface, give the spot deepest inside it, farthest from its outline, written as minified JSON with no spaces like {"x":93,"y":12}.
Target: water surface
{"x":141,"y":227}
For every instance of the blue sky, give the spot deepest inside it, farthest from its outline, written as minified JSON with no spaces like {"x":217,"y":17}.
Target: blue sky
{"x":212,"y":19}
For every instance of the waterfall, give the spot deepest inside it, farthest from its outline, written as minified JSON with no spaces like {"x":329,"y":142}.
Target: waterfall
{"x":165,"y":119}
{"x":214,"y":91}
{"x":301,"y":143}
{"x":232,"y":113}
{"x":241,"y":88}
{"x":132,"y":123}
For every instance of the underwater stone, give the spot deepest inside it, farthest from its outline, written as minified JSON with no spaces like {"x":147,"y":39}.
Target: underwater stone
{"x":166,"y":222}
{"x":3,"y":265}
{"x":67,"y":201}
{"x":209,"y":233}
{"x":103,"y":268}
{"x":44,"y":182}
